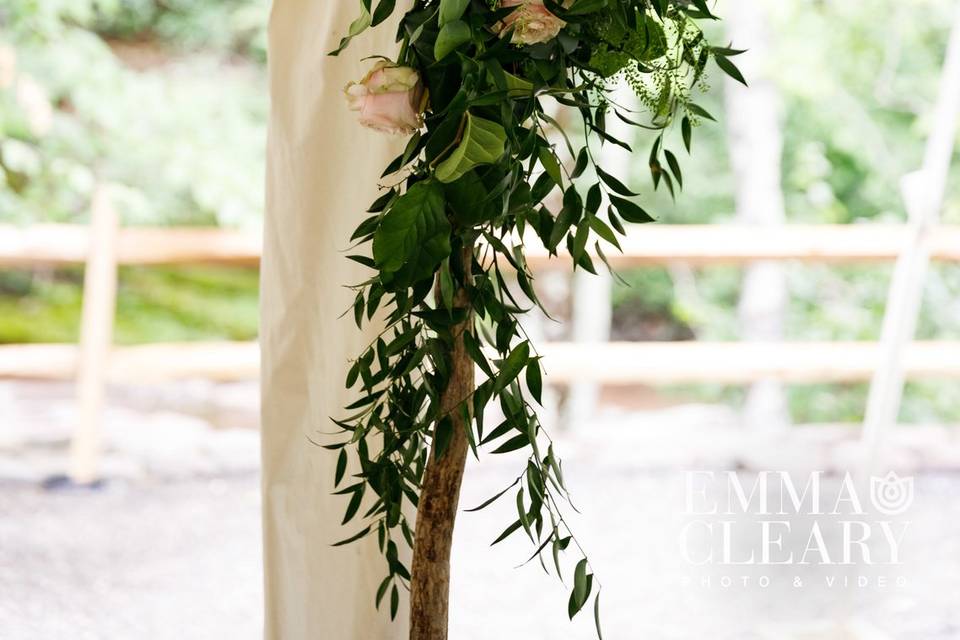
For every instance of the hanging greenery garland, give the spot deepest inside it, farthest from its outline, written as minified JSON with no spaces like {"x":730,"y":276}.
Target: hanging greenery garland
{"x":480,"y":177}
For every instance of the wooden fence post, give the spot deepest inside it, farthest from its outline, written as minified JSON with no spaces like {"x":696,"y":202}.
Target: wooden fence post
{"x":96,"y":338}
{"x":591,"y":313}
{"x":923,"y":196}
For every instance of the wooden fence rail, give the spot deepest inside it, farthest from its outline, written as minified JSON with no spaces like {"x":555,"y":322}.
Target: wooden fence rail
{"x":94,"y":364}
{"x":54,"y":244}
{"x":618,"y":363}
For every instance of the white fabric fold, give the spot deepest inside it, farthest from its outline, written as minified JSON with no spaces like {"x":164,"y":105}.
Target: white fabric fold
{"x":322,"y":171}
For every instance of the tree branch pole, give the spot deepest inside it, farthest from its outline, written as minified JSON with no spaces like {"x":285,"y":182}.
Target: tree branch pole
{"x":440,"y":491}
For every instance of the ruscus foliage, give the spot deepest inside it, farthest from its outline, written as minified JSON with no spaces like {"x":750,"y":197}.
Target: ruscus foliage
{"x":490,"y":169}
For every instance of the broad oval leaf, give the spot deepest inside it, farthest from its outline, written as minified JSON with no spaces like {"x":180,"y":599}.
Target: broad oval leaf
{"x":482,"y":143}
{"x":451,"y":10}
{"x":452,"y":35}
{"x":413,"y":237}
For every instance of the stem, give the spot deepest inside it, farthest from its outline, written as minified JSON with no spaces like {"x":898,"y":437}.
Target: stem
{"x":440,"y":490}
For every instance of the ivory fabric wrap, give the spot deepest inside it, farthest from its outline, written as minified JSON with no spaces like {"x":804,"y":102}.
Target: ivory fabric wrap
{"x":322,"y":174}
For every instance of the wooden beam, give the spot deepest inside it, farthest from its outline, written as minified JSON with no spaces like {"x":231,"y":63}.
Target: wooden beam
{"x":219,"y":361}
{"x":61,"y":244}
{"x":923,"y":193}
{"x":647,"y":363}
{"x":654,"y":244}
{"x":96,"y":337}
{"x":661,"y":363}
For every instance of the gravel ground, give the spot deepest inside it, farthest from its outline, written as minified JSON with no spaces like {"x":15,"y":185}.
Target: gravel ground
{"x":170,"y":548}
{"x":133,"y":561}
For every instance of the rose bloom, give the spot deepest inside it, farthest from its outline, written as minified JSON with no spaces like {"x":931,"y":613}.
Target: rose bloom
{"x":389,"y":98}
{"x":531,"y":22}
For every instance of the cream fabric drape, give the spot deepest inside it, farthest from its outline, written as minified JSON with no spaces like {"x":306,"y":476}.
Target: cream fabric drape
{"x":322,"y":173}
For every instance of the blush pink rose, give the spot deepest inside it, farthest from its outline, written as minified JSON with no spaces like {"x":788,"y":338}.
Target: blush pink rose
{"x":531,"y":22}
{"x":389,"y":98}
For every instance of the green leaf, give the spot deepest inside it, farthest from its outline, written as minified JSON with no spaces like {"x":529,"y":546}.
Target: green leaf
{"x":514,"y":443}
{"x":352,"y":538}
{"x":451,"y":10}
{"x":382,"y":589}
{"x":383,"y":11}
{"x":442,"y":436}
{"x":354,"y":504}
{"x":582,"y":160}
{"x":486,"y":503}
{"x":357,"y":27}
{"x":583,"y":7}
{"x":452,"y":35}
{"x":482,"y":143}
{"x":550,"y":165}
{"x":476,"y":353}
{"x":629,"y":211}
{"x":512,"y":365}
{"x":341,"y":467}
{"x":674,"y":166}
{"x":730,"y":69}
{"x":413,"y":237}
{"x":596,"y":615}
{"x":614,"y":184}
{"x":535,"y":380}
{"x":697,"y":110}
{"x":446,"y":284}
{"x":605,"y":232}
{"x":517,"y":87}
{"x":506,"y":532}
{"x":578,"y":596}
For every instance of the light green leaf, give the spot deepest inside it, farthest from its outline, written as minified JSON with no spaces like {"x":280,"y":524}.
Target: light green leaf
{"x":482,"y":143}
{"x":451,"y":10}
{"x":580,"y":592}
{"x":357,"y":27}
{"x":550,"y":165}
{"x":596,"y":615}
{"x":452,"y":35}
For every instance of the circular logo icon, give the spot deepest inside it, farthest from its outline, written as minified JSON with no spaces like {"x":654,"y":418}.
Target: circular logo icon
{"x":891,"y":495}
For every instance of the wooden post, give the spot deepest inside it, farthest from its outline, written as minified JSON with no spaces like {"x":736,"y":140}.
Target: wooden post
{"x":923,"y":195}
{"x":96,"y":337}
{"x":591,"y":302}
{"x":440,"y":491}
{"x":755,"y":141}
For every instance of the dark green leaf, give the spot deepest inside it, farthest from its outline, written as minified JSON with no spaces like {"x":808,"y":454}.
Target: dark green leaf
{"x":341,"y":467}
{"x":629,"y":211}
{"x":512,"y":365}
{"x":730,"y":69}
{"x":535,"y":380}
{"x":414,"y":235}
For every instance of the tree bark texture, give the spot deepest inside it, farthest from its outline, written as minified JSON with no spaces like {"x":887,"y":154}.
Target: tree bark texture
{"x":440,"y":492}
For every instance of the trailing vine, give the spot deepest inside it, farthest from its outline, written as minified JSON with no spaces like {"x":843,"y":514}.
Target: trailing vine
{"x":473,"y":86}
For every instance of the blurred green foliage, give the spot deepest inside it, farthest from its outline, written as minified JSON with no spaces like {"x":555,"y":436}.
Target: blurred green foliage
{"x":153,"y":305}
{"x":166,"y":100}
{"x":857,"y":94}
